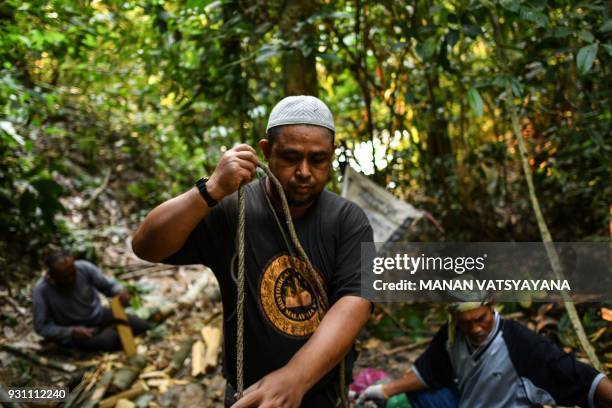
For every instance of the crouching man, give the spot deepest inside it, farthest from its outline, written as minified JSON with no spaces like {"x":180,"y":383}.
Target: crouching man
{"x":481,"y":360}
{"x":67,"y":307}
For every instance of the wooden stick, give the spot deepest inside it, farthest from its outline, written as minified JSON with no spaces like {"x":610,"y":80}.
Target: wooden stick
{"x":212,"y":317}
{"x":394,"y":319}
{"x":147,"y":271}
{"x":133,"y":392}
{"x":20,"y":310}
{"x":100,"y":390}
{"x":407,"y":347}
{"x":125,"y":331}
{"x":75,"y":394}
{"x":43,"y":361}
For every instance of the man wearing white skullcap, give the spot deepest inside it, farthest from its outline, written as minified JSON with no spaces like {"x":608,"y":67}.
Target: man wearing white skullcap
{"x":293,"y":343}
{"x":479,"y":359}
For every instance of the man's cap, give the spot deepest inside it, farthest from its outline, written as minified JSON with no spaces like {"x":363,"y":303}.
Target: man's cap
{"x":301,"y":110}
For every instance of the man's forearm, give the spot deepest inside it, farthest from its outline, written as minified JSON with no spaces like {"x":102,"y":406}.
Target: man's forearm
{"x":52,"y":331}
{"x":603,"y":394}
{"x":331,"y":340}
{"x":408,"y":383}
{"x":167,"y":227}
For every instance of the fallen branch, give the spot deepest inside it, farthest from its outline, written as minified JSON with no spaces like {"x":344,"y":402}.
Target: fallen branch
{"x":407,"y":347}
{"x":43,"y":361}
{"x":98,"y":190}
{"x":146,"y":271}
{"x":394,"y":319}
{"x":212,"y":317}
{"x":9,"y":299}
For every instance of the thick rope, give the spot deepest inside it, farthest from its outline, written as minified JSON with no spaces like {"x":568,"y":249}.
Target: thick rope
{"x":311,"y":278}
{"x":240,"y":294}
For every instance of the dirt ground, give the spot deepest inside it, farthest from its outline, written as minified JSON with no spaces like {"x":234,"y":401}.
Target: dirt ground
{"x":162,"y":287}
{"x":161,"y":290}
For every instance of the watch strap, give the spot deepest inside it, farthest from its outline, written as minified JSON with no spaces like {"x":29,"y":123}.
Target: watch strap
{"x":201,"y":185}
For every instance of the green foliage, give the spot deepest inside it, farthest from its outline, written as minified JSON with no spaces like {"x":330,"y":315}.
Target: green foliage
{"x":155,"y":91}
{"x":407,"y":319}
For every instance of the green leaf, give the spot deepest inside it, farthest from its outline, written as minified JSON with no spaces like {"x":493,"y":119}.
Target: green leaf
{"x":517,"y":87}
{"x":586,"y":56}
{"x":608,"y":48}
{"x":531,"y":14}
{"x":452,"y":37}
{"x":329,"y":57}
{"x":7,"y":127}
{"x":475,"y":102}
{"x":607,"y":26}
{"x":512,"y":5}
{"x":426,"y":49}
{"x":560,"y":32}
{"x":265,"y":53}
{"x":586,"y":36}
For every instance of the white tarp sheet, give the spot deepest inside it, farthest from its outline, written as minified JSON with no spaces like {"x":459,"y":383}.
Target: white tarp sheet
{"x":385,"y":212}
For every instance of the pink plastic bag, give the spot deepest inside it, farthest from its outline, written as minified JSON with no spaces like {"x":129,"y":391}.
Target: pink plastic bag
{"x":365,"y":378}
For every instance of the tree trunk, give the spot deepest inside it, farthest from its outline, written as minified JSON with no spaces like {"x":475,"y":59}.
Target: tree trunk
{"x":298,"y":59}
{"x":232,"y":50}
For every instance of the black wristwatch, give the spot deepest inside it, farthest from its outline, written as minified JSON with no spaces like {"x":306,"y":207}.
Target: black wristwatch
{"x":201,"y":185}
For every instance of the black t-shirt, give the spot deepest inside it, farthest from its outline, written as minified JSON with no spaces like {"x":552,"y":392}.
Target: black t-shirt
{"x":280,"y":311}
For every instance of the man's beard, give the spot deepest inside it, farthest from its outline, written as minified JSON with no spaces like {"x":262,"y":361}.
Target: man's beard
{"x":294,"y":202}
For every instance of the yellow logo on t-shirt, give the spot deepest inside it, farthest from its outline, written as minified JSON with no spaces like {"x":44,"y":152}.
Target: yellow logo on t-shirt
{"x":287,"y":299}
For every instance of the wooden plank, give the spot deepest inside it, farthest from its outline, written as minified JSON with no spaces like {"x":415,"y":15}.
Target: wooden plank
{"x":125,"y":331}
{"x":197,"y":358}
{"x":212,"y":337}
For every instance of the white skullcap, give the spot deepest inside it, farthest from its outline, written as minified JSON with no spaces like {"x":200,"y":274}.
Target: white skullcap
{"x":301,"y":110}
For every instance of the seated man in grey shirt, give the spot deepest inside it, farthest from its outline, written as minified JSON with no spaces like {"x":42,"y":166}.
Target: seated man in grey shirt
{"x":67,"y":307}
{"x":479,"y":359}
